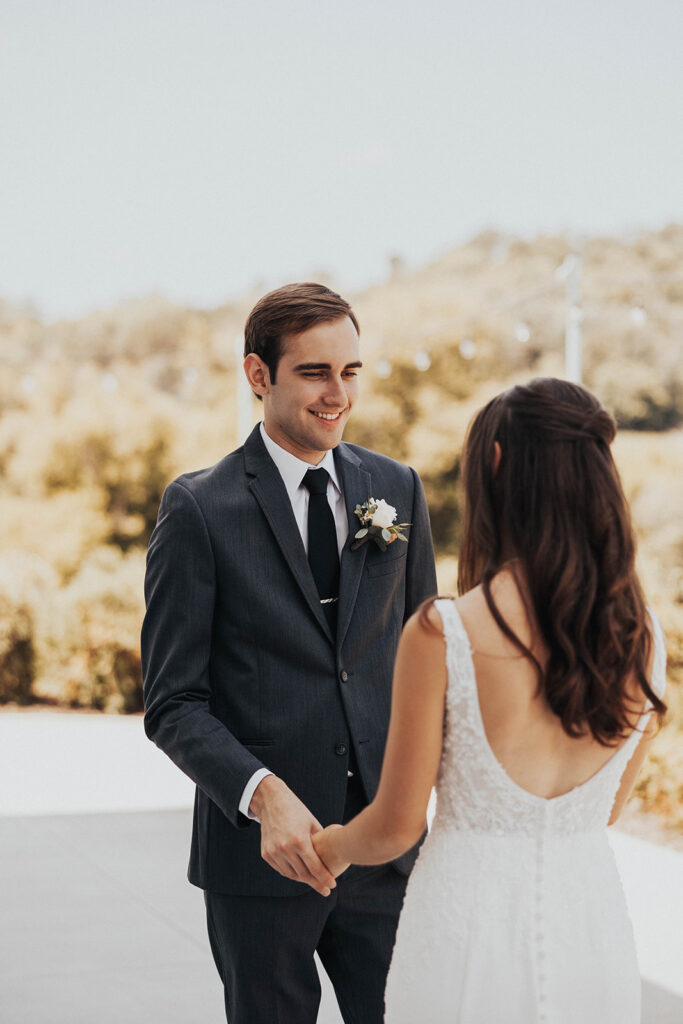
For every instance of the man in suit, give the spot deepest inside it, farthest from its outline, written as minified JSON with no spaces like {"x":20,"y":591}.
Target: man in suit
{"x":268,"y":648}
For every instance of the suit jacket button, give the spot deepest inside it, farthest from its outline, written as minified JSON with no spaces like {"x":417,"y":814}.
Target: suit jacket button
{"x":340,"y":749}
{"x":343,"y":675}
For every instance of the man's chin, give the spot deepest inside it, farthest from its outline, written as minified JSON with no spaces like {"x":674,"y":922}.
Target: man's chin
{"x":327,"y":438}
{"x":327,"y":443}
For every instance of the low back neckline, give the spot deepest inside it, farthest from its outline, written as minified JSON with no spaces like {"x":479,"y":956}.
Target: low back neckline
{"x":628,"y":745}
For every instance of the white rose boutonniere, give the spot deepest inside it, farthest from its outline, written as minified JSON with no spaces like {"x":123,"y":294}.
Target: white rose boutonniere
{"x":377,"y":523}
{"x":384,"y":514}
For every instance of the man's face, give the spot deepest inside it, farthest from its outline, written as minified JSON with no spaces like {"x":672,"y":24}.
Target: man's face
{"x":316,"y":384}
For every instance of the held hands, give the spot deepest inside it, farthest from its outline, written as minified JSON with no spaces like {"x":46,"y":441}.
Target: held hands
{"x":325,"y":844}
{"x":287,"y":829}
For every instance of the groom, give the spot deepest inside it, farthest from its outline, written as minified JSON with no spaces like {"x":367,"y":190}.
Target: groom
{"x":268,"y":648}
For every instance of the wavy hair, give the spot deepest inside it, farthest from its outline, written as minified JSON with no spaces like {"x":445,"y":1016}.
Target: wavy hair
{"x":555,"y":503}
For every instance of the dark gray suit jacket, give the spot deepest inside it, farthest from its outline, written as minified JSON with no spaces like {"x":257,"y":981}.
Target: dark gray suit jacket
{"x":240,"y":668}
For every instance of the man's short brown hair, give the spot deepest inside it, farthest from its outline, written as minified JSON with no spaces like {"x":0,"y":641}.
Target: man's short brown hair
{"x":290,"y":310}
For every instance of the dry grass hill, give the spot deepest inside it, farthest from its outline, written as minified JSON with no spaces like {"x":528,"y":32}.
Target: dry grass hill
{"x":98,"y":414}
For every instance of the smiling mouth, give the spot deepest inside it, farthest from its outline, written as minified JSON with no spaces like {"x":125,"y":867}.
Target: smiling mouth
{"x":328,"y":417}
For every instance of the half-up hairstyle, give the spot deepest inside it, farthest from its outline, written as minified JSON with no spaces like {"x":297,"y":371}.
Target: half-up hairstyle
{"x":555,"y":503}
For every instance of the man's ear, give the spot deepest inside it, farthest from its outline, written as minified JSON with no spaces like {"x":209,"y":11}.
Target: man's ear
{"x":497,"y":456}
{"x":257,"y":374}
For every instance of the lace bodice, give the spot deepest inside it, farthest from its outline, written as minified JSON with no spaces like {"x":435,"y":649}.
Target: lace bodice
{"x":473,"y":790}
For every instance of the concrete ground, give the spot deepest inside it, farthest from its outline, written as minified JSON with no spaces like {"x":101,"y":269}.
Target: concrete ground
{"x":98,"y":922}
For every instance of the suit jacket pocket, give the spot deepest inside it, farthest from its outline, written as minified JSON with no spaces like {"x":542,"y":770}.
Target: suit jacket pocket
{"x":256,"y":743}
{"x":385,"y":566}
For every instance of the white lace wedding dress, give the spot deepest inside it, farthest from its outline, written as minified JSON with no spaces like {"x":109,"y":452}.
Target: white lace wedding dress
{"x":514,"y":913}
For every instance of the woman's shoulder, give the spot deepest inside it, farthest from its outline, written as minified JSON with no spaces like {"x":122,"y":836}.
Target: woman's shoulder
{"x":423,"y":644}
{"x":428,"y":619}
{"x":434,"y":615}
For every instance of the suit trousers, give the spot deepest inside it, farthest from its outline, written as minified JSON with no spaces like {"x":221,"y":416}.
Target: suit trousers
{"x":264,"y":946}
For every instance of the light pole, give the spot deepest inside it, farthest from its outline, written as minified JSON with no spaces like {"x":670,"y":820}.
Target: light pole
{"x":573,"y":318}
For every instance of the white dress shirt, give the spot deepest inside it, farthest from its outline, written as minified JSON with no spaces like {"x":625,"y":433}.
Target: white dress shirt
{"x":293,"y":471}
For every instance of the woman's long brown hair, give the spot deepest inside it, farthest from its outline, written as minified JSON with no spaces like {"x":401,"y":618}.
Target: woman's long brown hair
{"x":555,"y":503}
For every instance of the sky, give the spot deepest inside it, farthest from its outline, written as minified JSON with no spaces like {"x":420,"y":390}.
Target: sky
{"x":200,"y":149}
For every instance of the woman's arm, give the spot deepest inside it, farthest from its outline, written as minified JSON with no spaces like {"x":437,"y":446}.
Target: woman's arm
{"x":628,"y":779}
{"x":657,"y":677}
{"x":395,"y":819}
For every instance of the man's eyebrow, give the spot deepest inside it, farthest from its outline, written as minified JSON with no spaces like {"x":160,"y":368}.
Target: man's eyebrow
{"x":325,"y":366}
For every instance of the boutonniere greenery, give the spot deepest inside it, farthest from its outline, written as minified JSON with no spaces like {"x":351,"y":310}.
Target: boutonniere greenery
{"x":377,"y":523}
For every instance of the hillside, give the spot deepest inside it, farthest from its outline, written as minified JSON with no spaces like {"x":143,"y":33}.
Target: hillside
{"x":98,"y":414}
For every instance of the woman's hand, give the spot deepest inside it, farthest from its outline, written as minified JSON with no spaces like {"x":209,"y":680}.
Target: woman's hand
{"x":325,"y":844}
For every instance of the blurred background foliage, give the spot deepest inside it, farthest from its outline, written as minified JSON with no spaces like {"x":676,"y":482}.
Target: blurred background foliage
{"x":98,"y":415}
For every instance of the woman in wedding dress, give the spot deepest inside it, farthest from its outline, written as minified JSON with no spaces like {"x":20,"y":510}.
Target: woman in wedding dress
{"x":530,"y":702}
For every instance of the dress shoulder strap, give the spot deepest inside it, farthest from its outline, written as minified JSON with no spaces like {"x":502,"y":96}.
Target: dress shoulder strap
{"x":445,"y":606}
{"x":458,"y":650}
{"x":452,"y":626}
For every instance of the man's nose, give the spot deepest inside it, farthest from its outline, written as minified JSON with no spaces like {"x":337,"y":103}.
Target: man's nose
{"x":335,"y":393}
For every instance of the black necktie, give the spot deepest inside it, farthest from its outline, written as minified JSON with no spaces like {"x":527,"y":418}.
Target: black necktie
{"x":323,"y":556}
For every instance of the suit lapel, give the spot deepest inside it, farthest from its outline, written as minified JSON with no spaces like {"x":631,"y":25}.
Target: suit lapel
{"x":356,"y":484}
{"x":269,"y":490}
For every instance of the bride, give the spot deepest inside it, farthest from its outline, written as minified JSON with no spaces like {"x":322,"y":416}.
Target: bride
{"x":530,"y":702}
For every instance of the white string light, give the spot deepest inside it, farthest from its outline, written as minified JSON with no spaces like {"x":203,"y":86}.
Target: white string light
{"x":637,"y":316}
{"x":522,"y":332}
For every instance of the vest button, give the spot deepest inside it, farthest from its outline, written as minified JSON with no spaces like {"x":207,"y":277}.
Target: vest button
{"x":343,"y":675}
{"x":341,"y":749}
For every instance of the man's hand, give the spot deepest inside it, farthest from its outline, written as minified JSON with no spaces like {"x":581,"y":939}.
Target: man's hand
{"x":286,"y":829}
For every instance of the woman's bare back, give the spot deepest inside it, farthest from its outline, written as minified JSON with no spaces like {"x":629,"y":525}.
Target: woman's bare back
{"x":525,"y":736}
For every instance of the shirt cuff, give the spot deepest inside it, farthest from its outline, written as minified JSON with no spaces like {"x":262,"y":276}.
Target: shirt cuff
{"x":249,"y":790}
